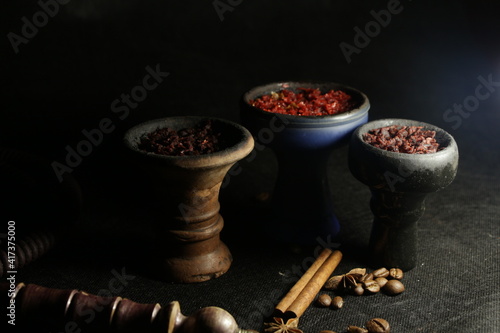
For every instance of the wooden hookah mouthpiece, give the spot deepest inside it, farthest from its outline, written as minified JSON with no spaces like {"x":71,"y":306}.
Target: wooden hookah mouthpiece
{"x":79,"y":311}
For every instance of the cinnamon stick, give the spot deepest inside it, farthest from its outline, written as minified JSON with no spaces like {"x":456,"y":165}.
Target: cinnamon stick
{"x":299,"y":285}
{"x":309,"y":292}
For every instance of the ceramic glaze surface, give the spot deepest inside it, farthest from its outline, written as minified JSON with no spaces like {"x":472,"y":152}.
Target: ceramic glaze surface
{"x":302,"y":201}
{"x":416,"y":172}
{"x":399,"y":183}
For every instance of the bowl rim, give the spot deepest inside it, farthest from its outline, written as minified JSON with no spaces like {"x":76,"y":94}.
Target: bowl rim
{"x":222,"y":157}
{"x":342,"y":117}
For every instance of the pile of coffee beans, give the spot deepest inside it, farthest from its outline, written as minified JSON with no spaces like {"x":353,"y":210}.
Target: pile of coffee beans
{"x":360,"y":282}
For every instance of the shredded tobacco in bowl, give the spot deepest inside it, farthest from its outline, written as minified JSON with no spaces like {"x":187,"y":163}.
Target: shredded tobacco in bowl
{"x":305,"y":102}
{"x":198,"y":140}
{"x":403,"y":139}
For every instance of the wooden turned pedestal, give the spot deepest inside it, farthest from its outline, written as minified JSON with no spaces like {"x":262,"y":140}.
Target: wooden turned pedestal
{"x":189,"y":246}
{"x":187,"y":223}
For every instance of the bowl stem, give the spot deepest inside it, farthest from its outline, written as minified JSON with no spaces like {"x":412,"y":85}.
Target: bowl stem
{"x":393,"y":240}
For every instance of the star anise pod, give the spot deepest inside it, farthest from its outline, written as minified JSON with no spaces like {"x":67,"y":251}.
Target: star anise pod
{"x":345,"y":281}
{"x":279,"y":326}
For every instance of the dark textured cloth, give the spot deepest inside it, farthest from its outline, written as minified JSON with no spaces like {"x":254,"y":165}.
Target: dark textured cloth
{"x":426,"y":60}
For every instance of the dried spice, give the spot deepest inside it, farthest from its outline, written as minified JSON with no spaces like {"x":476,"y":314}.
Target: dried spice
{"x":403,"y":139}
{"x":198,"y":140}
{"x":348,"y":280}
{"x":306,"y":102}
{"x":279,"y":326}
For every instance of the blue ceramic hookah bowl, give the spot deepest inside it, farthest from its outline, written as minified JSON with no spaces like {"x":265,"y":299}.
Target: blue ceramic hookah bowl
{"x":302,"y":207}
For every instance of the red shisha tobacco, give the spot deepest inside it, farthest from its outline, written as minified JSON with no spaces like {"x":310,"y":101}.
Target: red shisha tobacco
{"x":306,"y":102}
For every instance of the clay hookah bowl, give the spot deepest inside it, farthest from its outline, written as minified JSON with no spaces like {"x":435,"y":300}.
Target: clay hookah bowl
{"x":188,"y":246}
{"x":302,"y":200}
{"x":399,"y":183}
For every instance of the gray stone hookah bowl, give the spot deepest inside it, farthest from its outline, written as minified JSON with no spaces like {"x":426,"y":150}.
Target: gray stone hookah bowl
{"x":399,"y":183}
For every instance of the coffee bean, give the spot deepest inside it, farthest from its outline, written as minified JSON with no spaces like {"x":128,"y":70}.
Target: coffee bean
{"x":327,"y":331}
{"x":366,"y":277}
{"x":334,"y":282}
{"x":371,"y":286}
{"x":396,"y":273}
{"x":358,"y":290}
{"x":337,"y":302}
{"x":381,"y":272}
{"x":394,"y":287}
{"x":324,"y":300}
{"x":378,"y":325}
{"x":356,"y":329}
{"x":381,"y":281}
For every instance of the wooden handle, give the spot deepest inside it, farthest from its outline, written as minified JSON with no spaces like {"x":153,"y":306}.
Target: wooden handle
{"x":58,"y":309}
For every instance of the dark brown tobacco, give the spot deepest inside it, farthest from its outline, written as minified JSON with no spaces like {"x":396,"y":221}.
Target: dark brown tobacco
{"x":202,"y":139}
{"x":403,"y":139}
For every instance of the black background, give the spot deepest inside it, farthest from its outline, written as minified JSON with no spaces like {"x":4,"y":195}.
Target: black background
{"x":429,"y":57}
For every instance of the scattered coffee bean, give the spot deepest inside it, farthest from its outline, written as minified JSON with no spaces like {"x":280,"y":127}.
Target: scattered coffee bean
{"x":334,"y":282}
{"x":324,"y":300}
{"x":394,"y":287}
{"x":327,"y":331}
{"x":381,"y":281}
{"x":381,"y":272}
{"x":396,"y":273}
{"x":337,"y":302}
{"x":378,"y":325}
{"x":358,"y":290}
{"x":371,"y":286}
{"x":356,"y":329}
